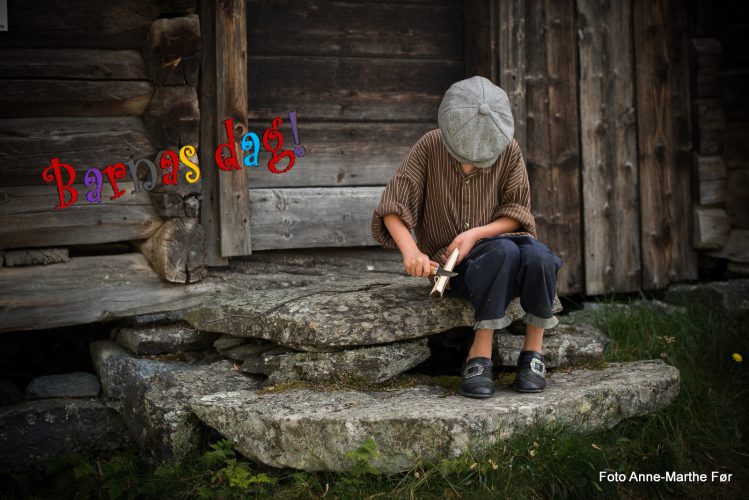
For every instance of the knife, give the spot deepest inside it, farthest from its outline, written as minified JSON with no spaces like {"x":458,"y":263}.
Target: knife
{"x":438,"y":271}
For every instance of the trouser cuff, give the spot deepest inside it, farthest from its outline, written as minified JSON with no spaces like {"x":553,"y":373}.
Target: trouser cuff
{"x":540,"y":322}
{"x":496,"y":324}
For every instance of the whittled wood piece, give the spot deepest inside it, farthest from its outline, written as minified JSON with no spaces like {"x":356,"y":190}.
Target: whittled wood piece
{"x":438,"y":290}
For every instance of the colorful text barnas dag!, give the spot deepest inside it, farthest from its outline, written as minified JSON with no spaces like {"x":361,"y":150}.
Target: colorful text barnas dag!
{"x":64,"y":175}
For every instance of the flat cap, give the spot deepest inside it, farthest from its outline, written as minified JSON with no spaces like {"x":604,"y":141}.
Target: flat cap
{"x":476,"y":121}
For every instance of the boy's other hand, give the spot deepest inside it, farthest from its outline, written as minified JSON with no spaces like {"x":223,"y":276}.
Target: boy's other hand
{"x":418,"y":264}
{"x":463,"y":242}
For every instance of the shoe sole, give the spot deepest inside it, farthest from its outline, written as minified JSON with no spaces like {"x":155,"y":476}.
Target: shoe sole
{"x":475,"y":396}
{"x":527,"y":390}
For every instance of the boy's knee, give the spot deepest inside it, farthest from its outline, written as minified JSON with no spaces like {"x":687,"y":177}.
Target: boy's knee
{"x":505,"y":248}
{"x":540,"y":259}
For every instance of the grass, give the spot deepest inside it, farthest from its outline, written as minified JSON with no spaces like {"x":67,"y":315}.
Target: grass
{"x":701,"y":431}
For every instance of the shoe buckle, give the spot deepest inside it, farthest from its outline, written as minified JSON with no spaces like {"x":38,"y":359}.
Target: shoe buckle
{"x":537,"y":366}
{"x":473,"y":370}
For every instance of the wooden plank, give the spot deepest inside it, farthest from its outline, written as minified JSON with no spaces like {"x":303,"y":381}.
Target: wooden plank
{"x":177,"y":250}
{"x":173,"y":50}
{"x":709,"y":174}
{"x":349,"y":88}
{"x":339,"y":153}
{"x":28,"y":144}
{"x":209,"y":214}
{"x":29,"y":98}
{"x":173,"y":116}
{"x":66,"y":64}
{"x":89,"y":289}
{"x":736,"y":248}
{"x":481,"y":21}
{"x":334,"y":28}
{"x":552,"y":145}
{"x":313,"y":217}
{"x":711,"y":228}
{"x":28,"y":217}
{"x":35,"y":257}
{"x":512,"y":61}
{"x":705,"y":59}
{"x":708,"y":125}
{"x":609,"y":148}
{"x":663,"y":139}
{"x":737,"y":198}
{"x":231,"y":102}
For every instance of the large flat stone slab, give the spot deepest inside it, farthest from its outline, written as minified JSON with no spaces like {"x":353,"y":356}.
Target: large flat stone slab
{"x":313,"y":430}
{"x":168,"y":338}
{"x":727,"y":298}
{"x":64,"y":385}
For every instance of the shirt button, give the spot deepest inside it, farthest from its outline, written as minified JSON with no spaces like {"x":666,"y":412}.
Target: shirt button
{"x":466,"y":225}
{"x":466,"y":182}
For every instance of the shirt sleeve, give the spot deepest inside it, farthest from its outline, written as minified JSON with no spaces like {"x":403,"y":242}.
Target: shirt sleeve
{"x":403,"y":195}
{"x":515,"y":196}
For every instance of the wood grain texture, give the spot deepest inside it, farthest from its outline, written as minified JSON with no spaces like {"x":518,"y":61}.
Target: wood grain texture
{"x":736,"y":145}
{"x":481,"y":26}
{"x":313,"y":217}
{"x":231,"y":102}
{"x":173,"y":116}
{"x":512,"y":61}
{"x":177,"y":250}
{"x":709,"y":179}
{"x":708,"y":125}
{"x":737,"y":198}
{"x":28,"y":217}
{"x":705,"y":61}
{"x":79,"y":64}
{"x":88,"y":289}
{"x":736,"y":248}
{"x":711,"y":228}
{"x":663,"y":140}
{"x":173,"y":50}
{"x":609,"y":147}
{"x":35,"y":257}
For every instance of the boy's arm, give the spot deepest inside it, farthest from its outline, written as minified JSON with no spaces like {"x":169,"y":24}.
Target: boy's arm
{"x":415,"y":263}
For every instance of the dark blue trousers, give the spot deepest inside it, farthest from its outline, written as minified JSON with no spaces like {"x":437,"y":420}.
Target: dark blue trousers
{"x":498,"y":269}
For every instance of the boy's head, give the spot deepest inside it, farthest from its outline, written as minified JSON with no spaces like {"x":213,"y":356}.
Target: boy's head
{"x":476,"y":121}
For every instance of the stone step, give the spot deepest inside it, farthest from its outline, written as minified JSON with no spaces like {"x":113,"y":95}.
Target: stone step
{"x":313,"y":430}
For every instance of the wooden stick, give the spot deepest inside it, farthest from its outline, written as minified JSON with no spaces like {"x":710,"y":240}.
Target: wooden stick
{"x":441,"y":283}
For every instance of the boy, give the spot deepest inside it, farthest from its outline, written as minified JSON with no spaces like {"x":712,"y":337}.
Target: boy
{"x":465,"y":186}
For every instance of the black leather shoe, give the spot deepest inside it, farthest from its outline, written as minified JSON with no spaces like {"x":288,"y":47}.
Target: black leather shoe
{"x":531,"y":372}
{"x":477,"y":378}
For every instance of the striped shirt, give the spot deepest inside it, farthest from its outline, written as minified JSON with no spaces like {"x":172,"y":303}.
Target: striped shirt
{"x":436,"y":200}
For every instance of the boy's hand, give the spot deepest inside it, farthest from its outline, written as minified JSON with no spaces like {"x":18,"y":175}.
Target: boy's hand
{"x":463,"y":242}
{"x":416,"y":263}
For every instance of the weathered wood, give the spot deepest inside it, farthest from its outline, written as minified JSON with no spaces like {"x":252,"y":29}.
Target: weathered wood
{"x":737,"y":198}
{"x":736,"y":248}
{"x":88,"y":289}
{"x":663,"y":138}
{"x":28,"y":217}
{"x":29,"y":98}
{"x":66,"y":64}
{"x":394,"y":29}
{"x":177,"y":250}
{"x":733,"y":86}
{"x":313,"y":217}
{"x":711,"y":228}
{"x":709,"y":174}
{"x":173,"y":115}
{"x":173,"y":50}
{"x":326,"y":88}
{"x":167,"y":204}
{"x":736,"y":145}
{"x":738,"y":268}
{"x":36,"y":257}
{"x":231,"y":102}
{"x":481,"y":25}
{"x":512,"y":61}
{"x":209,"y":121}
{"x":552,"y":149}
{"x":708,"y":125}
{"x":28,"y":144}
{"x":705,"y":59}
{"x":339,"y":153}
{"x":609,"y":148}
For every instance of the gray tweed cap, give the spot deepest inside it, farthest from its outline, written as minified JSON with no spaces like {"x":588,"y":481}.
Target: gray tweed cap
{"x":476,"y":121}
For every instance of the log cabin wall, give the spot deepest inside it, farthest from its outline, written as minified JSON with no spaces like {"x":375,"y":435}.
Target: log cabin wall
{"x":94,"y":84}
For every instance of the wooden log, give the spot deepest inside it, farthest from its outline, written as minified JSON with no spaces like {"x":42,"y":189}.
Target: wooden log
{"x":349,"y":88}
{"x":738,"y":268}
{"x":709,"y":174}
{"x":210,"y":215}
{"x":737,"y":198}
{"x":89,"y":289}
{"x":231,"y":102}
{"x":705,"y":60}
{"x":173,"y":116}
{"x":733,"y":86}
{"x":481,"y":25}
{"x":28,"y":217}
{"x":66,"y":64}
{"x":512,"y":61}
{"x":708,"y":125}
{"x":552,"y":150}
{"x":663,"y":138}
{"x":397,"y":29}
{"x":28,"y":144}
{"x":313,"y":217}
{"x":710,"y":228}
{"x":177,"y":250}
{"x":736,"y":248}
{"x":736,"y":145}
{"x":173,"y":50}
{"x":339,"y":153}
{"x":29,"y":98}
{"x":36,"y":257}
{"x":609,"y":148}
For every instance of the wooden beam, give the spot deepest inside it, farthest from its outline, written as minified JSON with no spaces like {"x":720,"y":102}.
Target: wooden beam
{"x":481,"y":20}
{"x":662,"y":79}
{"x":609,"y":147}
{"x":89,"y":289}
{"x":177,"y":250}
{"x":705,"y":61}
{"x":708,"y":124}
{"x":172,"y":50}
{"x":736,"y":248}
{"x":231,"y":103}
{"x":512,"y":61}
{"x":36,"y":257}
{"x":82,"y":64}
{"x":711,"y":228}
{"x":737,"y":198}
{"x":709,"y":179}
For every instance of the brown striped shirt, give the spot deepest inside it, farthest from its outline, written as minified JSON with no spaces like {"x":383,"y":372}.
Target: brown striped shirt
{"x":436,"y":200}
